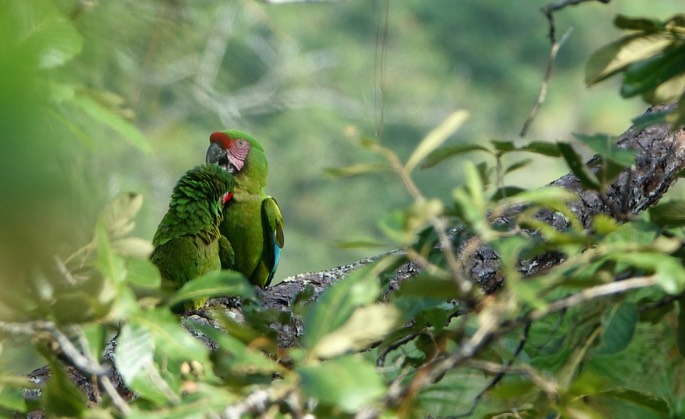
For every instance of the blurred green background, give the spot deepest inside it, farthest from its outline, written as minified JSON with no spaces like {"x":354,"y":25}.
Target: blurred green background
{"x":97,"y":97}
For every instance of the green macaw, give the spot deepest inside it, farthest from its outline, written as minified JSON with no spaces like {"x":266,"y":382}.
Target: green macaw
{"x":253,"y":223}
{"x":188,"y":243}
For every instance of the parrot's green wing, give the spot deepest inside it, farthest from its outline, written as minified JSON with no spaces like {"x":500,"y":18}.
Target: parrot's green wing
{"x":226,"y":253}
{"x":272,"y":223}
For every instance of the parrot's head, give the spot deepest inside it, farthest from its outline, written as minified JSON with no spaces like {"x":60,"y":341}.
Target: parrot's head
{"x":240,"y":154}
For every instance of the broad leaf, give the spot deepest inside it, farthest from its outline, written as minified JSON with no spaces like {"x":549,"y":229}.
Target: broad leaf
{"x":617,"y":55}
{"x":670,"y":213}
{"x":618,"y":326}
{"x":337,"y":304}
{"x":366,"y":326}
{"x":348,"y":383}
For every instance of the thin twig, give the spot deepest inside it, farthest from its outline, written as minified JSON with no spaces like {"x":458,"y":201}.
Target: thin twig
{"x":499,"y":373}
{"x":542,"y":95}
{"x":549,"y":10}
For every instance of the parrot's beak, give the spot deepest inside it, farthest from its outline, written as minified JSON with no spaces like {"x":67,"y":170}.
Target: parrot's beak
{"x":217,"y":155}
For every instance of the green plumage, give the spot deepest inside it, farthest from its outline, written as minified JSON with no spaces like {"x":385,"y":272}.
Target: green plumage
{"x":188,"y":243}
{"x":253,"y":223}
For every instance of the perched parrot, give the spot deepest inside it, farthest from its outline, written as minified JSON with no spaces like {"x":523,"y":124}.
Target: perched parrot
{"x":188,"y":243}
{"x":253,"y":223}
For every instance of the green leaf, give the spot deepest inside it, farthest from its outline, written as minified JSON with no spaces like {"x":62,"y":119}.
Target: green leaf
{"x":366,"y":325}
{"x":442,"y":154}
{"x":650,"y":118}
{"x":337,"y":304}
{"x":214,"y":284}
{"x":542,"y":148}
{"x":637,"y":24}
{"x":428,"y":286}
{"x":234,"y":359}
{"x":658,"y":79}
{"x":54,"y":39}
{"x":113,"y":120}
{"x":617,"y":55}
{"x":518,"y":165}
{"x":12,"y":398}
{"x":669,"y":272}
{"x":119,"y":214}
{"x":577,"y":166}
{"x":503,"y":146}
{"x":108,"y":262}
{"x":670,"y":213}
{"x":618,"y":327}
{"x":653,"y":402}
{"x":436,"y":138}
{"x":348,"y":383}
{"x":606,"y":146}
{"x":143,"y":273}
{"x":171,"y":339}
{"x":506,"y":192}
{"x":135,"y":349}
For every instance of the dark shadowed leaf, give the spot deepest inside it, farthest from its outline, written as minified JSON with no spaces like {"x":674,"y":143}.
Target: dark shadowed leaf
{"x":444,"y":153}
{"x":637,"y":24}
{"x":605,"y":146}
{"x":428,"y":286}
{"x":518,"y":165}
{"x":618,"y":326}
{"x":577,"y":166}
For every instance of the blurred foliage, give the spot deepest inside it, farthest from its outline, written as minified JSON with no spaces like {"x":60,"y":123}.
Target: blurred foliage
{"x":97,"y":98}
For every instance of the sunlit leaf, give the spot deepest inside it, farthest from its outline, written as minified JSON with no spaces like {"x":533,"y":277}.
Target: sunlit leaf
{"x":348,"y":382}
{"x":365,"y":326}
{"x":617,"y":55}
{"x":118,"y":216}
{"x":135,"y":349}
{"x":436,"y":138}
{"x":113,"y":120}
{"x":337,"y":304}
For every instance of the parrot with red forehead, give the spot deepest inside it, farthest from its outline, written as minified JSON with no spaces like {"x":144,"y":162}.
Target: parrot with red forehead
{"x":252,"y":223}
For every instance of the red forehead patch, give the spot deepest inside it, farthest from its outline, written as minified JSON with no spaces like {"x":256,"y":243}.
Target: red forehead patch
{"x":220,"y":138}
